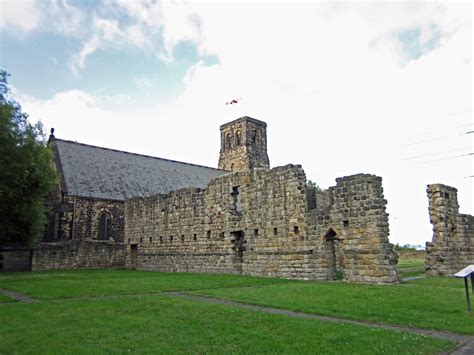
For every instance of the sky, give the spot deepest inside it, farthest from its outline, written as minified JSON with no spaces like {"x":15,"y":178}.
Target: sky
{"x":345,"y":87}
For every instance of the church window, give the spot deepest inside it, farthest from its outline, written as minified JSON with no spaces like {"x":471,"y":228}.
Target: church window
{"x":228,"y":141}
{"x":237,"y":138}
{"x":237,"y":199}
{"x":104,"y":226}
{"x":255,"y":137}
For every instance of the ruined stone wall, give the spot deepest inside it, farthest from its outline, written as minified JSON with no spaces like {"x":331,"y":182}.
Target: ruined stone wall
{"x":258,"y":223}
{"x":350,"y":230}
{"x":79,"y":254}
{"x":452,"y":247}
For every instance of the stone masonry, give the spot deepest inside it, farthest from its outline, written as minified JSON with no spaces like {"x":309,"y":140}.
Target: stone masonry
{"x":452,"y":247}
{"x":116,"y":209}
{"x":257,"y":222}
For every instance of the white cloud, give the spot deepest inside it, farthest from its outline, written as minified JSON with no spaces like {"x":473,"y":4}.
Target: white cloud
{"x":23,"y":15}
{"x":333,"y":101}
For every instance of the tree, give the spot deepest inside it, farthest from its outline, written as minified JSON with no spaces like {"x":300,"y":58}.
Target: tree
{"x":27,"y":175}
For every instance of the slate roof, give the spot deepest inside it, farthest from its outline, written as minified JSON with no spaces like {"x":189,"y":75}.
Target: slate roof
{"x":90,"y":171}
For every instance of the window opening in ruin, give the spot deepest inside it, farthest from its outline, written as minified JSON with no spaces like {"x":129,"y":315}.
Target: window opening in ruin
{"x":237,"y":199}
{"x":104,"y":226}
{"x":194,"y":236}
{"x":228,"y":141}
{"x":222,"y":235}
{"x":161,"y":239}
{"x":255,"y":232}
{"x":333,"y":255}
{"x":446,"y":195}
{"x":182,"y":238}
{"x":208,"y":234}
{"x":238,"y":244}
{"x":171,"y":238}
{"x":275,"y":231}
{"x":141,"y":240}
{"x":128,"y":240}
{"x":296,"y":229}
{"x":151,"y":239}
{"x":346,"y":224}
{"x":133,"y":255}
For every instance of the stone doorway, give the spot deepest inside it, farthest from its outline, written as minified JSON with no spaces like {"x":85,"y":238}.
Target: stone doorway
{"x":238,"y":246}
{"x":133,"y":256}
{"x":333,"y":255}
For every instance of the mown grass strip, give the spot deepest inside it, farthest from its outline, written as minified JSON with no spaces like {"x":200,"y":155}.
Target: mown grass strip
{"x":432,"y":303}
{"x":79,"y":283}
{"x":159,"y":324}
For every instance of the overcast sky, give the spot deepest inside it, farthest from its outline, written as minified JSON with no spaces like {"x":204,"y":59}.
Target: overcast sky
{"x":345,"y":87}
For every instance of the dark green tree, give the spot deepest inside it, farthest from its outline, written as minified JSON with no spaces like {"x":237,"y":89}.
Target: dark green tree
{"x":26,"y":173}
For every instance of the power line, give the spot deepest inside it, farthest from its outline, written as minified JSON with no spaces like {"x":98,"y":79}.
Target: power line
{"x":431,"y":154}
{"x":447,"y":158}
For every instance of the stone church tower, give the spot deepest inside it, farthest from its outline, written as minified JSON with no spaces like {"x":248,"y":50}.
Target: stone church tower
{"x":243,"y":145}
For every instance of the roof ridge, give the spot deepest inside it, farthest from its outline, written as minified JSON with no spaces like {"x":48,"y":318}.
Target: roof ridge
{"x":137,"y":154}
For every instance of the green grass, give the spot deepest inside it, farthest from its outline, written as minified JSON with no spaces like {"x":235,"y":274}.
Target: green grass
{"x":434,"y":303}
{"x":161,"y":324}
{"x":123,"y":310}
{"x":411,"y":263}
{"x":80,"y":283}
{"x":4,"y":299}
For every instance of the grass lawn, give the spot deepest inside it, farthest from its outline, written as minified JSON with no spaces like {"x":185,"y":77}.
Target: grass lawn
{"x":434,"y":303}
{"x":4,"y":299}
{"x":140,"y":319}
{"x":80,"y":283}
{"x":411,"y":263}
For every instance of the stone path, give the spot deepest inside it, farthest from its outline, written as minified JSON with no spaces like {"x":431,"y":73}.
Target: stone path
{"x":18,"y":296}
{"x":465,"y":342}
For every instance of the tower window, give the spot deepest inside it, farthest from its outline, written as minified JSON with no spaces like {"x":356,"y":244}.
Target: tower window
{"x":237,"y":138}
{"x":255,"y":137}
{"x":228,"y":141}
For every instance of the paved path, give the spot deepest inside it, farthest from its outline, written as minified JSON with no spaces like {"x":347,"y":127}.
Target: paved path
{"x":18,"y":296}
{"x":465,"y":342}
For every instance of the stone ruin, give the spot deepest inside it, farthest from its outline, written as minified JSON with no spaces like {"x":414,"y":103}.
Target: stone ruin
{"x":452,"y":247}
{"x":245,"y":219}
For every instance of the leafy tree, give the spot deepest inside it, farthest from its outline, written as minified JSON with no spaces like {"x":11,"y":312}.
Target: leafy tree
{"x":26,"y":173}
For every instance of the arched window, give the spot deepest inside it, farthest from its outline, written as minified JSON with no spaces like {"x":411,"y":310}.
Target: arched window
{"x":228,"y":141}
{"x":237,"y":138}
{"x":255,"y":137}
{"x":104,"y":226}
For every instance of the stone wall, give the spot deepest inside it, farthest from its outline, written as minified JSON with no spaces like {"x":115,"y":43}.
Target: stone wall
{"x":77,"y":254}
{"x":15,"y":259}
{"x":258,"y":223}
{"x":452,"y":247}
{"x":72,"y":240}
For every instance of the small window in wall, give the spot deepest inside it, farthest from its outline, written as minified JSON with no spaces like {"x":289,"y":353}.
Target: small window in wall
{"x":182,"y":238}
{"x":255,"y":137}
{"x":194,"y":236}
{"x":237,"y":138}
{"x":221,"y":235}
{"x":255,"y":232}
{"x":296,"y":229}
{"x":141,"y":240}
{"x":446,"y":195}
{"x":228,"y":141}
{"x":208,"y":234}
{"x":129,"y":241}
{"x":151,"y":239}
{"x":237,"y":199}
{"x":275,"y":231}
{"x":104,"y":226}
{"x":171,"y":238}
{"x":346,"y":224}
{"x":161,"y":239}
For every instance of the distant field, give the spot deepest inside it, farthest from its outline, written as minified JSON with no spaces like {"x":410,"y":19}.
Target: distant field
{"x":126,"y":311}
